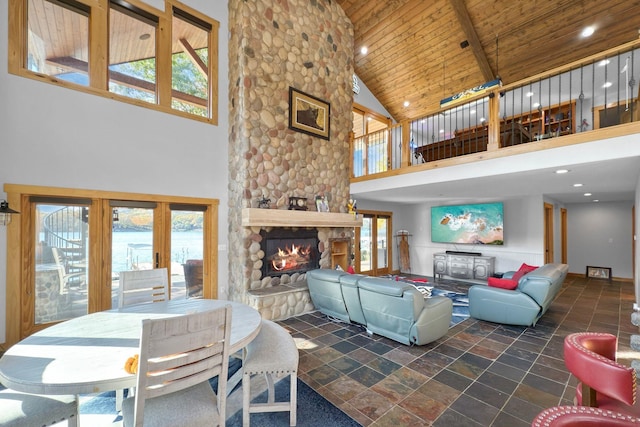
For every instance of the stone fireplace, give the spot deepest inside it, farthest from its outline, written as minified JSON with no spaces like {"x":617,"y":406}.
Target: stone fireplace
{"x":274,"y":45}
{"x":278,"y":293}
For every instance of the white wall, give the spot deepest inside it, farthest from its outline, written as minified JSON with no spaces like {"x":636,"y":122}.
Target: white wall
{"x":600,"y":234}
{"x":53,"y":136}
{"x":366,"y":99}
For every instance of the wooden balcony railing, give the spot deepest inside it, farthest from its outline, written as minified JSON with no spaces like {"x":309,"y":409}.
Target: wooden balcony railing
{"x":567,"y":105}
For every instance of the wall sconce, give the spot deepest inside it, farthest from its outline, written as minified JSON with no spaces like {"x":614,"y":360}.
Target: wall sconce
{"x":5,"y":212}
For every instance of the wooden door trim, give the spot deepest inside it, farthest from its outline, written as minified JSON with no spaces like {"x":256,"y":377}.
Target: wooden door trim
{"x":549,"y":255}
{"x":20,"y":282}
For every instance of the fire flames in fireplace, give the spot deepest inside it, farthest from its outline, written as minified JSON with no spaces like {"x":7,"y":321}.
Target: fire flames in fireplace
{"x":291,"y":258}
{"x":289,"y":251}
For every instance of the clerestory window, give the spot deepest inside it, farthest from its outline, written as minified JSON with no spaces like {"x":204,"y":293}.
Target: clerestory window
{"x":123,"y":49}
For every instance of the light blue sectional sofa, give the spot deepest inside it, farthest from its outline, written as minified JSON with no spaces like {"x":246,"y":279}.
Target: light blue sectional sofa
{"x":523,"y":305}
{"x":395,"y":310}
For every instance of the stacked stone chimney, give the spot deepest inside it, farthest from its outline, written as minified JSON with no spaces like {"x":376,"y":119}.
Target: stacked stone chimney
{"x":274,"y":45}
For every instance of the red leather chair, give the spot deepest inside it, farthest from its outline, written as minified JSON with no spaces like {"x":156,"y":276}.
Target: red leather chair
{"x":604,"y":383}
{"x":569,"y":416}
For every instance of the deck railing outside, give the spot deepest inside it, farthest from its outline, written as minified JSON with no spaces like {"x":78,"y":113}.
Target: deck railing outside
{"x":596,"y":92}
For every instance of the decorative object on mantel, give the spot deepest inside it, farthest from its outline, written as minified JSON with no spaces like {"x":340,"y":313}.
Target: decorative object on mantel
{"x":321,"y":204}
{"x":264,"y":203}
{"x":353,"y":209}
{"x":298,"y":203}
{"x":308,"y":114}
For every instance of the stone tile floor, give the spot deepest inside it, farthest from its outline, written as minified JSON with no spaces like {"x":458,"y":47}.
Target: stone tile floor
{"x":479,"y":374}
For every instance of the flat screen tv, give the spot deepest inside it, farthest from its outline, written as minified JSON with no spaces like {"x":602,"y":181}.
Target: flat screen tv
{"x":473,"y":224}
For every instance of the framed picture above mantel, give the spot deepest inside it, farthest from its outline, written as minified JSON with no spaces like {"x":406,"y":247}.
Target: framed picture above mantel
{"x":308,"y":114}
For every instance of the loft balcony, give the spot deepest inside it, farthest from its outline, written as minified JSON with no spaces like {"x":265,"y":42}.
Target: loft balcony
{"x":588,"y":100}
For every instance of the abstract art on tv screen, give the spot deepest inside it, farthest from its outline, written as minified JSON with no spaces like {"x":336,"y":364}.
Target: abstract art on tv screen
{"x":474,"y":224}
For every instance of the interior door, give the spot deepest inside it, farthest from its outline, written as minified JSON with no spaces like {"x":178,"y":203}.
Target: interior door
{"x":563,"y":231}
{"x":548,"y":233}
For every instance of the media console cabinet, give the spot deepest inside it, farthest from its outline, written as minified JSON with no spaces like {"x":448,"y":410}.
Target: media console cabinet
{"x":463,"y":265}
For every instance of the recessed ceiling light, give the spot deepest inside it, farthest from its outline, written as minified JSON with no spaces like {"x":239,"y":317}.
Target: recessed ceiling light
{"x":406,"y":103}
{"x":482,"y":120}
{"x":145,"y":36}
{"x":577,"y":185}
{"x":472,"y":112}
{"x":604,"y":62}
{"x":596,"y":200}
{"x":587,"y":194}
{"x":588,"y":31}
{"x":364,"y":50}
{"x":559,"y":171}
{"x":536,"y":104}
{"x":607,"y":84}
{"x":529,"y":94}
{"x":441,"y":130}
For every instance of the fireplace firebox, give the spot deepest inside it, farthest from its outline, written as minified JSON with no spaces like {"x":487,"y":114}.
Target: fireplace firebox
{"x":288,"y":251}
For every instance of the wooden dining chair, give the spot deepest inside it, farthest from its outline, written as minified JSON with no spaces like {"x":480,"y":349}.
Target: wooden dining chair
{"x":143,"y":286}
{"x":177,"y":357}
{"x":28,"y":410}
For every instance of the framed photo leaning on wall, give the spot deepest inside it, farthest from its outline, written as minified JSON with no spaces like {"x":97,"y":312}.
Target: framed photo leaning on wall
{"x":598,"y":273}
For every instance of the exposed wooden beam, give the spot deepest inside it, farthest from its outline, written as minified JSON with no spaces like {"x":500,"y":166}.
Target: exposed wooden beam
{"x":472,"y":37}
{"x":73,"y":64}
{"x":194,"y":58}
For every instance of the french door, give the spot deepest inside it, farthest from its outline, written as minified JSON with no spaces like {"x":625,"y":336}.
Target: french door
{"x":373,"y":251}
{"x":70,"y":246}
{"x":137,"y":244}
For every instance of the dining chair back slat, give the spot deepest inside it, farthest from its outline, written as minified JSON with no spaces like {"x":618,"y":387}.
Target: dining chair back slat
{"x":178,"y":355}
{"x":143,"y":286}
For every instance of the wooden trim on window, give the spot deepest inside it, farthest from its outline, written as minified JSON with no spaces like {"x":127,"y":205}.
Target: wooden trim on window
{"x":99,"y":55}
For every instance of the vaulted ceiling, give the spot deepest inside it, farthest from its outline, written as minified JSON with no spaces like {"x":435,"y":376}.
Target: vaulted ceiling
{"x":416,"y":48}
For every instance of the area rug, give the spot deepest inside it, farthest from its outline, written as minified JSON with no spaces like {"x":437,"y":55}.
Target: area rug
{"x":313,"y":410}
{"x":454,"y":291}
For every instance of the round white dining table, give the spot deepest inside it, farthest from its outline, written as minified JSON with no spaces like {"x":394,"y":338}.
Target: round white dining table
{"x":87,"y":354}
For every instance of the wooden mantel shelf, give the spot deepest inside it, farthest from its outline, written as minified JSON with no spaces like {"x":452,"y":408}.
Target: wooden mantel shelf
{"x":286,"y":218}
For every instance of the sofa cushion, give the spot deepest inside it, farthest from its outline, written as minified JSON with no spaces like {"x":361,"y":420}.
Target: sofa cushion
{"x":383,"y":286}
{"x":496,"y":282}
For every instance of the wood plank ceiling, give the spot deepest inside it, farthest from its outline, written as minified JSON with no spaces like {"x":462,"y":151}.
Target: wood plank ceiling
{"x":415,"y":48}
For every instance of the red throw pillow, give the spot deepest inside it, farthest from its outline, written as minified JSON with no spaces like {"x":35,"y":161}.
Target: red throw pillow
{"x":524,"y":269}
{"x":509,"y":284}
{"x":527,"y":267}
